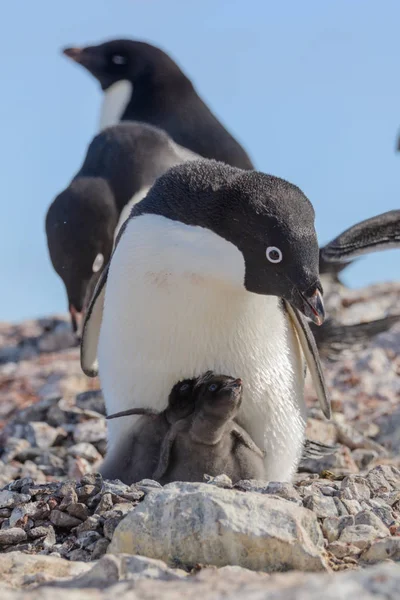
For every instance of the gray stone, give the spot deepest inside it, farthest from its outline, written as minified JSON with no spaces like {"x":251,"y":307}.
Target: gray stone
{"x":383,"y":479}
{"x":92,"y":400}
{"x":100,"y":548}
{"x":283,"y":490}
{"x":84,"y":450}
{"x":341,"y":549}
{"x":105,"y":504}
{"x":78,"y":510}
{"x":197,"y":523}
{"x":354,"y":487}
{"x":63,"y":520}
{"x":12,"y":499}
{"x":92,"y":523}
{"x":13,"y":535}
{"x":322,"y":506}
{"x":332,"y":527}
{"x":42,"y":435}
{"x":93,"y":430}
{"x":366,"y":517}
{"x":382,"y":550}
{"x":222,"y":481}
{"x":364,"y":457}
{"x":353,"y":507}
{"x":110,"y":526}
{"x":359,"y":535}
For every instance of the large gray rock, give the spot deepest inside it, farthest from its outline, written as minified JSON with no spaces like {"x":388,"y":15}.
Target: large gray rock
{"x":135,"y":582}
{"x":197,"y":523}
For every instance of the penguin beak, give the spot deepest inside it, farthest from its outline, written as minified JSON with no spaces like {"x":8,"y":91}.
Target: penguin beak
{"x":76,"y":319}
{"x":88,"y":57}
{"x":313,"y":307}
{"x":73,"y":53}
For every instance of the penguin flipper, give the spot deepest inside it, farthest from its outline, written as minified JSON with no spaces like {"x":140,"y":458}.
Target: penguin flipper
{"x":378,"y":233}
{"x":166,"y":447}
{"x":245,"y":439}
{"x":149,"y":412}
{"x":91,"y":327}
{"x":310,"y":351}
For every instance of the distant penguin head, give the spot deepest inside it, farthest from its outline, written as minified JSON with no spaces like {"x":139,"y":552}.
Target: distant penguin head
{"x":218,"y":396}
{"x":80,"y":226}
{"x":130,"y":60}
{"x":262,"y":234}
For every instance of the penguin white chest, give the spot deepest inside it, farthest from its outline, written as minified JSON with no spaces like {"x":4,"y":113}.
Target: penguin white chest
{"x":115,"y":100}
{"x":175,"y":306}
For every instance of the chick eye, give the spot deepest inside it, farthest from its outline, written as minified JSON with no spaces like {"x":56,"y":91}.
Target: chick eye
{"x":274,"y":255}
{"x":184,"y":387}
{"x":98,"y":263}
{"x":118,"y":59}
{"x":212,"y":387}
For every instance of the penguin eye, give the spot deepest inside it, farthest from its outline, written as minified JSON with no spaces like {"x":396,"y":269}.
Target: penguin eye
{"x":274,"y":255}
{"x":118,"y":59}
{"x":212,"y":387}
{"x":184,"y":388}
{"x":98,"y":263}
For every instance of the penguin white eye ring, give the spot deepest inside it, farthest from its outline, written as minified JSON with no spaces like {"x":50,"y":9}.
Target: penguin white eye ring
{"x":98,"y":263}
{"x":274,"y":255}
{"x":118,"y":59}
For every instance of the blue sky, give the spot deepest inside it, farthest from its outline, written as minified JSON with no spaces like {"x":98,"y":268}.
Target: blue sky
{"x":311,"y":89}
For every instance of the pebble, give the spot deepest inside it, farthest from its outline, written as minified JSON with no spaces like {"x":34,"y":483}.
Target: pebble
{"x":14,"y":535}
{"x":12,"y":499}
{"x":63,"y":520}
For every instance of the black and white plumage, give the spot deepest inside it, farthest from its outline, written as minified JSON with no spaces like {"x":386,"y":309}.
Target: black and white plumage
{"x":375,"y":234}
{"x":121,"y":164}
{"x":197,"y":282}
{"x":142,"y":83}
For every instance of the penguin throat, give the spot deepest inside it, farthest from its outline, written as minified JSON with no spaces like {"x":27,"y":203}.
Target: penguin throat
{"x":116,"y":99}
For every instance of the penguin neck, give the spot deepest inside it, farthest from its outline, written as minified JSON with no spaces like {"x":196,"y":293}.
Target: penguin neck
{"x":115,"y":101}
{"x":207,"y":430}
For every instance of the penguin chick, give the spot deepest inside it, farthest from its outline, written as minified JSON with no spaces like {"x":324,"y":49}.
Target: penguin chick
{"x":142,"y":83}
{"x":140,"y":455}
{"x":208,"y":441}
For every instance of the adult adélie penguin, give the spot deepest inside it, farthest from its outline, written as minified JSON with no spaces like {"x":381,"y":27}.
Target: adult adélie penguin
{"x":216,"y":269}
{"x":141,"y":82}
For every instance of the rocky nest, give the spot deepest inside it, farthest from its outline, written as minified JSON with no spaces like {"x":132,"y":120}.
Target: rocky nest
{"x":62,"y":526}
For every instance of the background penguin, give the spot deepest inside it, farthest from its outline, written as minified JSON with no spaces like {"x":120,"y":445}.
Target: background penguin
{"x":142,"y":83}
{"x":377,"y":233}
{"x":196,"y":281}
{"x":208,"y":441}
{"x":120,"y":166}
{"x":381,"y":232}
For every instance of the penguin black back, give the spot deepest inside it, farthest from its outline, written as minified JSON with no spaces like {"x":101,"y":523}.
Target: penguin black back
{"x":161,"y":95}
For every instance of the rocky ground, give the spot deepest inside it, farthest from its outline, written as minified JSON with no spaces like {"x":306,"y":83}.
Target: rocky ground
{"x":58,"y":518}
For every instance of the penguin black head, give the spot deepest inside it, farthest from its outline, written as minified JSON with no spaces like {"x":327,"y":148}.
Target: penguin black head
{"x":80,"y":225}
{"x":130,"y":60}
{"x":262,"y":233}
